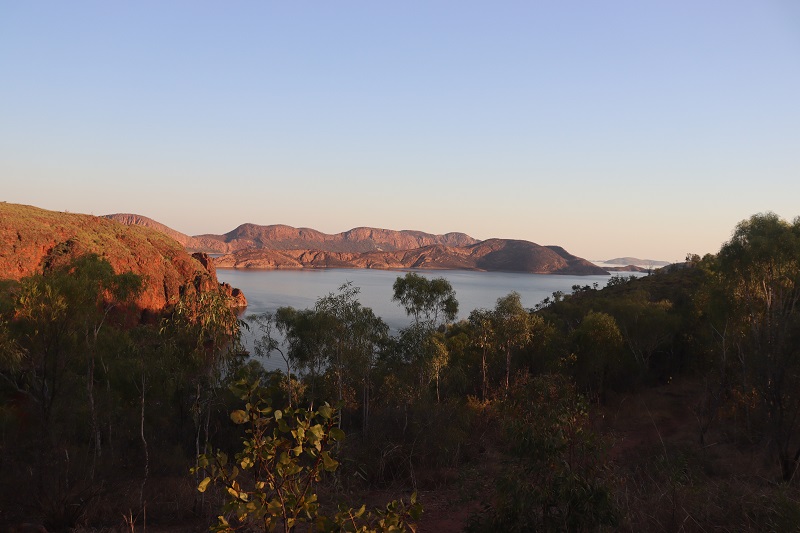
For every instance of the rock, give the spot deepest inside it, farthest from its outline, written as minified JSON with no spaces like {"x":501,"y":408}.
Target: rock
{"x":33,"y":240}
{"x":237,"y":296}
{"x":285,"y":247}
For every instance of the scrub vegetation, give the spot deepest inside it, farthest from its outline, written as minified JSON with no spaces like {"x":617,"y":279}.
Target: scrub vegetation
{"x":664,"y":403}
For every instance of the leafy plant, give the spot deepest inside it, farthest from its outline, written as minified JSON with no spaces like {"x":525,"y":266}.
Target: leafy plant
{"x":271,"y":482}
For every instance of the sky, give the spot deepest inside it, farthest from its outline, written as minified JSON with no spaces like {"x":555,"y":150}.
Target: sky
{"x":617,"y":128}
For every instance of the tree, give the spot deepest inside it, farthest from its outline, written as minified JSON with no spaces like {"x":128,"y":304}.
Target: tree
{"x":62,"y":323}
{"x":338,"y":335}
{"x":760,"y":267}
{"x":207,"y":328}
{"x":428,"y":301}
{"x":513,"y":326}
{"x":597,"y":343}
{"x":483,"y":334}
{"x":356,"y":335}
{"x":439,"y":358}
{"x":431,"y":303}
{"x":647,"y":327}
{"x":281,"y":333}
{"x":60,"y":313}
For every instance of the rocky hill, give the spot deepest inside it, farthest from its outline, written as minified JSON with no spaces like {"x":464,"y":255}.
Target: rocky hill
{"x":33,"y":238}
{"x":285,"y":247}
{"x":280,"y":237}
{"x":491,"y":255}
{"x":130,"y":219}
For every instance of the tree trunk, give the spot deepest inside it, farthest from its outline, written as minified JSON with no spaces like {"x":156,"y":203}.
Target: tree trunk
{"x":90,"y":365}
{"x":144,"y":445}
{"x":483,"y":374}
{"x":508,"y":367}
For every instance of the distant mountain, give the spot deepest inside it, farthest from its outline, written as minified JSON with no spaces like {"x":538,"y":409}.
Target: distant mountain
{"x":280,"y":237}
{"x":285,"y":247}
{"x":492,"y":255}
{"x":627,"y":268}
{"x":624,"y":261}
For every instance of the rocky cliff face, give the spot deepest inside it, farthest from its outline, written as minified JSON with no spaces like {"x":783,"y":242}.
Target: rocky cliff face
{"x":31,"y":239}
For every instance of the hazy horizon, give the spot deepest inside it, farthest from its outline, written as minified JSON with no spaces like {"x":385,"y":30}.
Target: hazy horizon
{"x":624,"y":129}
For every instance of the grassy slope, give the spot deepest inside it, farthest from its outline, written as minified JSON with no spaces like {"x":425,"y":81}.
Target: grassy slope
{"x":31,"y":238}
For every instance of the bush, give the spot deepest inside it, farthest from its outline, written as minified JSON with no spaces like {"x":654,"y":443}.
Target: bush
{"x":285,"y":453}
{"x":555,"y":478}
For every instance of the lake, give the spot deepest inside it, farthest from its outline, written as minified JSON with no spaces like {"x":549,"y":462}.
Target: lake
{"x":266,"y":290}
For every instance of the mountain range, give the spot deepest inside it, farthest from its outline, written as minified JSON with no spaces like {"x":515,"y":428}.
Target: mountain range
{"x":286,"y":247}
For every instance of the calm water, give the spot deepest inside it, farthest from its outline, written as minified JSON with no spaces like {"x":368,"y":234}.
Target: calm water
{"x":266,"y":290}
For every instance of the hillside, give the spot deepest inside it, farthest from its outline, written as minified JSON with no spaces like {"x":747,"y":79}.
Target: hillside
{"x":491,"y":255}
{"x":33,"y":239}
{"x":130,"y":219}
{"x":285,"y":247}
{"x":281,"y":237}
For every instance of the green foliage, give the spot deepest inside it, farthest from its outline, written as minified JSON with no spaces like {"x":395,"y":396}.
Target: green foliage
{"x":63,"y":337}
{"x":513,"y":327}
{"x":338,"y":339}
{"x":207,"y":326}
{"x":285,"y":453}
{"x":57,"y":316}
{"x":759,"y":272}
{"x":483,"y":338}
{"x":598,"y":346}
{"x":428,"y":301}
{"x":556,"y":478}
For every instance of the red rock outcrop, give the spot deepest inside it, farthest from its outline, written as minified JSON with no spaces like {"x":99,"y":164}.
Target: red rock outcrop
{"x":33,"y":239}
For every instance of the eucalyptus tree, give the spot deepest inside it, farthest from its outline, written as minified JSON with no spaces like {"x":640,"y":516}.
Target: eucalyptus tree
{"x":760,"y":267}
{"x":281,"y":333}
{"x":308,"y":336}
{"x":205,"y":327}
{"x":431,"y":303}
{"x":483,"y":335}
{"x":513,"y":326}
{"x":597,"y":342}
{"x":338,"y":335}
{"x":439,"y":358}
{"x":62,"y":312}
{"x":355,"y":336}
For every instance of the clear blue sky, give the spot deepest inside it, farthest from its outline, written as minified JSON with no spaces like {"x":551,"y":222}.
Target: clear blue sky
{"x":646,"y":128}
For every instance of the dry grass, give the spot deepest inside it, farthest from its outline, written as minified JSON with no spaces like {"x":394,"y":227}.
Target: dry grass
{"x":668,"y":481}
